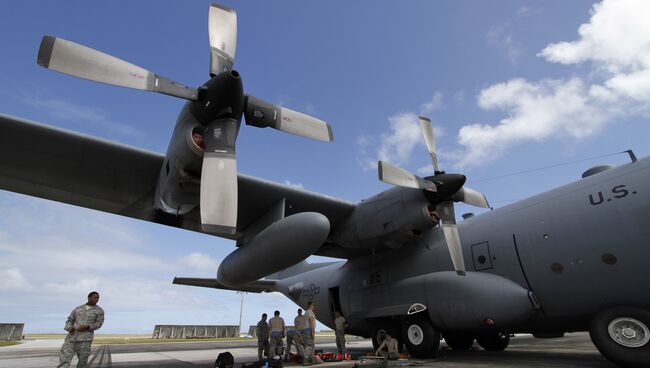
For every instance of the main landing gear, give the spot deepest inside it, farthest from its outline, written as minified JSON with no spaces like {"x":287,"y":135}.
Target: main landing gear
{"x":497,"y":340}
{"x":622,"y":335}
{"x":421,"y":338}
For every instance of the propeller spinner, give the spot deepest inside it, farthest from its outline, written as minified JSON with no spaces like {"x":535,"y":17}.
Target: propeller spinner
{"x":218,"y":105}
{"x":440,"y":189}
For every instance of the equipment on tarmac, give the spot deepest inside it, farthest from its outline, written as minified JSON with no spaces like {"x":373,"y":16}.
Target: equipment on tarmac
{"x":224,"y":360}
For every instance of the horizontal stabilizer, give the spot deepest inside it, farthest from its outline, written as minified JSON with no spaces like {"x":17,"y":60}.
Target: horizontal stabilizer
{"x":259,"y":286}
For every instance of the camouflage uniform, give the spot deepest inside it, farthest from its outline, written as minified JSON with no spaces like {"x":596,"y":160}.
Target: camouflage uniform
{"x":301,"y":330}
{"x":78,"y":342}
{"x":308,"y":338}
{"x":277,"y":334}
{"x":262,"y":330}
{"x":339,"y":331}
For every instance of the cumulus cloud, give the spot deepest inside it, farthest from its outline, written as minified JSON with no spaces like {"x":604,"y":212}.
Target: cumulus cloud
{"x":70,"y":111}
{"x":616,"y":41}
{"x":200,"y":261}
{"x":397,"y":145}
{"x":13,"y":279}
{"x":434,"y":104}
{"x":503,"y":38}
{"x":295,"y":185}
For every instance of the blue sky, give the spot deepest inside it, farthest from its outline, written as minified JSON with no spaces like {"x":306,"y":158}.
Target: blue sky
{"x":508,"y":85}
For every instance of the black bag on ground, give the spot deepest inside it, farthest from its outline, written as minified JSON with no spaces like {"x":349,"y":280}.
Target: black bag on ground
{"x":275,"y":363}
{"x":224,"y":360}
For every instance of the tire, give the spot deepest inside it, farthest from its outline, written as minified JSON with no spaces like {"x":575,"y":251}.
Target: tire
{"x":380,"y":331}
{"x":622,"y":335}
{"x":421,"y":338}
{"x":459,"y":342}
{"x":497,"y":340}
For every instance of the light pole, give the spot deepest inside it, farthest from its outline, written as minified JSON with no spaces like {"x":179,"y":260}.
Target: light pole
{"x":241,"y":309}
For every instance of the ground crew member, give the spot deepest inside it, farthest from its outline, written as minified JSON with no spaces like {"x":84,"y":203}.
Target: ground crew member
{"x":391,"y":345}
{"x":262,"y":332}
{"x":301,"y":325}
{"x":340,"y":324}
{"x":81,"y":324}
{"x":277,"y":334}
{"x":309,"y":336}
{"x":292,"y":339}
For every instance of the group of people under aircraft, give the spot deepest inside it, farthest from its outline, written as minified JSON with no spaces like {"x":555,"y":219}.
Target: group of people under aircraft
{"x":301,"y":335}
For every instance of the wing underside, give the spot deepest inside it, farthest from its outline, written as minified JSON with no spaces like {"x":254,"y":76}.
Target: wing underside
{"x":52,"y":163}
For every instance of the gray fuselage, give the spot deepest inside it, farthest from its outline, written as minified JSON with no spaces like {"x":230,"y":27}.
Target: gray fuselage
{"x":579,"y":248}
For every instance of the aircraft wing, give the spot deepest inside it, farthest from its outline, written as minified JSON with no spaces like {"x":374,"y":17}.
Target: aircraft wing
{"x":64,"y":166}
{"x":259,"y":286}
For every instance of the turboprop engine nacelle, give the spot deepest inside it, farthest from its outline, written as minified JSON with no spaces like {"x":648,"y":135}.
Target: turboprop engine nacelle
{"x":281,"y":245}
{"x":390,"y":218}
{"x":179,"y":181}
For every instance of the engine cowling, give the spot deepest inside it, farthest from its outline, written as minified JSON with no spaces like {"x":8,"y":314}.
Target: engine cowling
{"x":179,"y":181}
{"x":387,"y":219}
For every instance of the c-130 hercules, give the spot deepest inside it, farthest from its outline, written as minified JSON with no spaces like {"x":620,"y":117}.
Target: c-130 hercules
{"x":571,"y":259}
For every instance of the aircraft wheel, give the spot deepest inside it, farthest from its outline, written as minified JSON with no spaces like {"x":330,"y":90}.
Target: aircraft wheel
{"x":380,"y":332}
{"x":494,"y":340}
{"x":458,"y":341}
{"x":421,"y":338}
{"x":622,"y":335}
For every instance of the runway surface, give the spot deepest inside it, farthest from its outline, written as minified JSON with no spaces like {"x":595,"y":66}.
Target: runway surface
{"x":573,"y":350}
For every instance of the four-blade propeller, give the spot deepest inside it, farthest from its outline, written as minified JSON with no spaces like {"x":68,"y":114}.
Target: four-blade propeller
{"x":441,"y":190}
{"x":218,"y":105}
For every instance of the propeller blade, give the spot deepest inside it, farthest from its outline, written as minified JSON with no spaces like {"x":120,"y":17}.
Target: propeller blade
{"x":80,"y":61}
{"x":450,"y":230}
{"x":222,"y":29}
{"x":263,"y":114}
{"x":430,"y":139}
{"x":219,"y":179}
{"x":455,"y":250}
{"x":395,"y":175}
{"x":471,"y":197}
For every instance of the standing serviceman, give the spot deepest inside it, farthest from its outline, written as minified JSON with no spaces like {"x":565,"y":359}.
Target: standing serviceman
{"x":301,"y":326}
{"x":262,"y":332}
{"x":277,"y":334}
{"x":309,"y":338}
{"x":81,"y":324}
{"x":340,"y":324}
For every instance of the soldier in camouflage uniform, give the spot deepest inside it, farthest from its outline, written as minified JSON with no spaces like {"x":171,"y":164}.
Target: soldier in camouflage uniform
{"x":277,"y":334}
{"x":81,"y":324}
{"x":262,"y":331}
{"x":309,"y":336}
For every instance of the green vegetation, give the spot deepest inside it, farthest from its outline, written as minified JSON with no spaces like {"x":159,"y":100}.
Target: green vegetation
{"x":9,"y":343}
{"x":140,"y":340}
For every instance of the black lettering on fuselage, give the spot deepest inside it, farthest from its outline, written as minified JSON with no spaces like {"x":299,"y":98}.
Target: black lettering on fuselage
{"x":600,"y":196}
{"x":618,"y":192}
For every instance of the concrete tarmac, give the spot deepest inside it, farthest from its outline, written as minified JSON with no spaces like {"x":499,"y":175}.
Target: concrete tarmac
{"x":571,"y":351}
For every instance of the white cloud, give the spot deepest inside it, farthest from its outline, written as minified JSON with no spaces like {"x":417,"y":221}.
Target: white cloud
{"x":200,"y":261}
{"x":13,"y":279}
{"x":397,"y":145}
{"x":503,"y":38}
{"x":295,"y":185}
{"x":434,"y":104}
{"x":616,"y":41}
{"x":73,"y":112}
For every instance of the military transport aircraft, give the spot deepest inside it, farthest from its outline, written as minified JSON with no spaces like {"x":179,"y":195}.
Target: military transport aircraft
{"x":571,"y":259}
